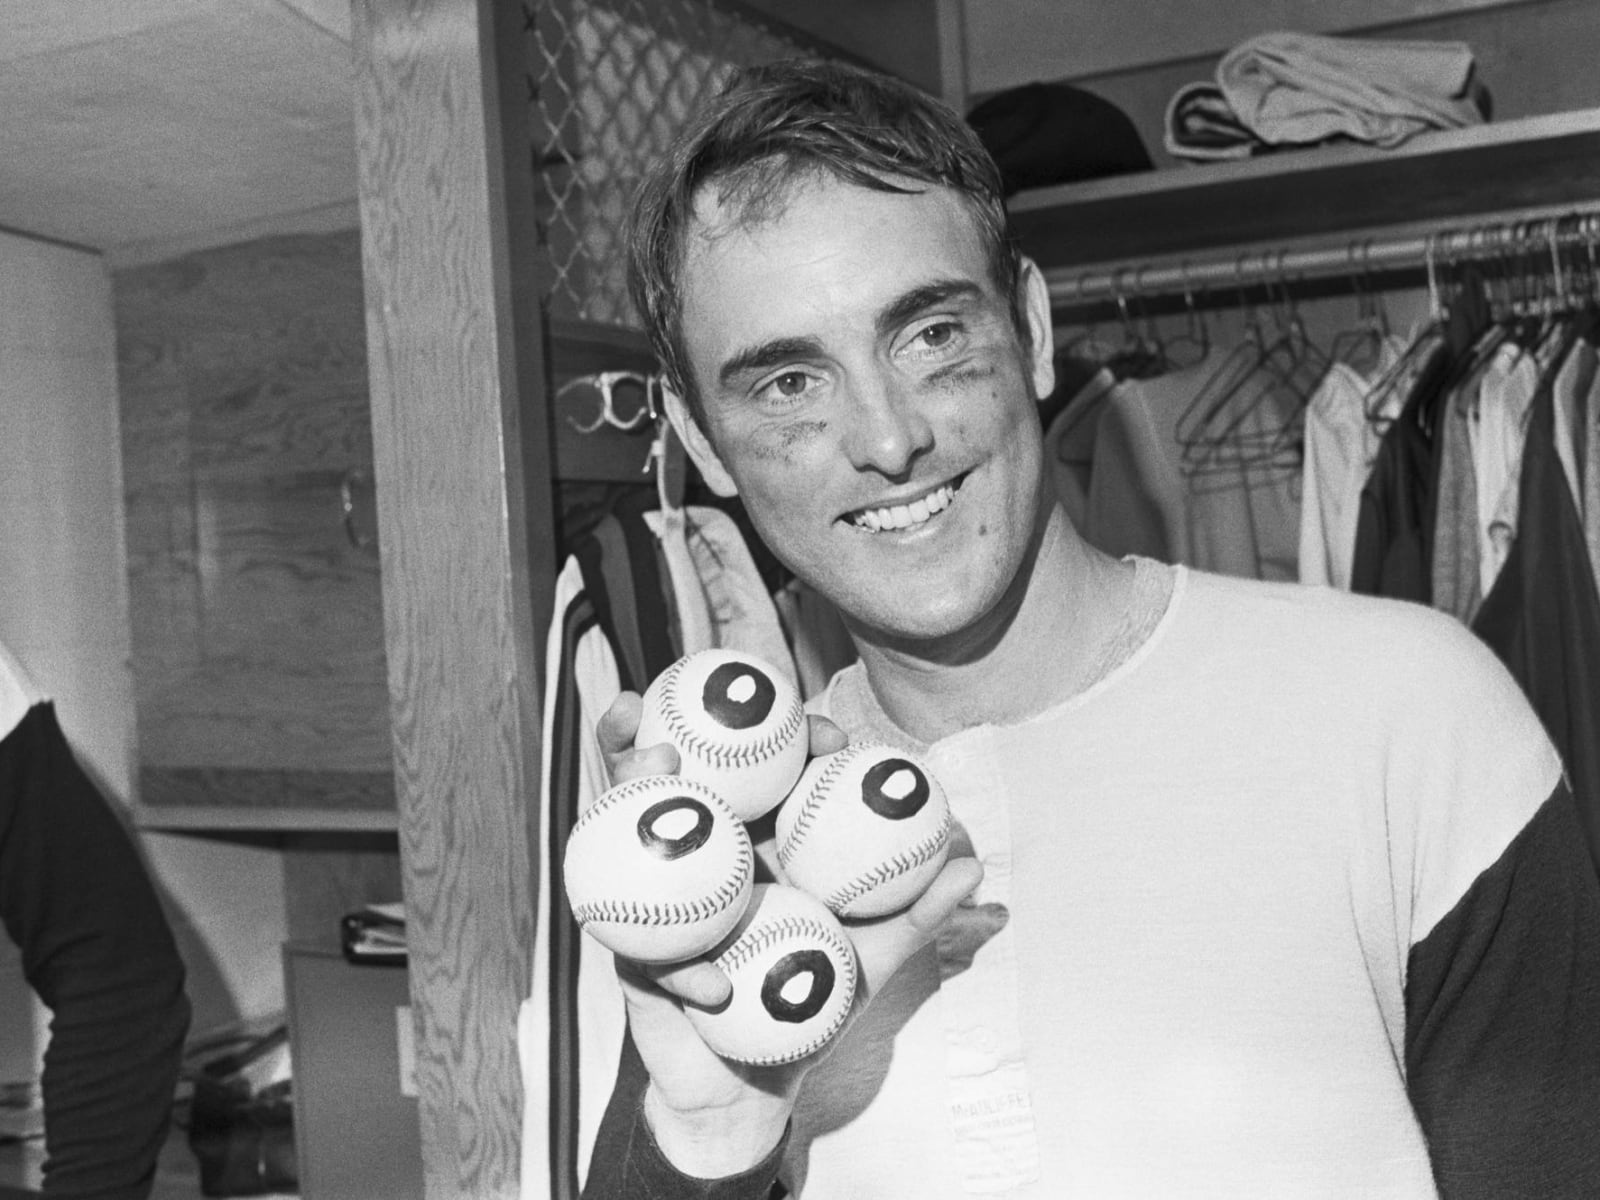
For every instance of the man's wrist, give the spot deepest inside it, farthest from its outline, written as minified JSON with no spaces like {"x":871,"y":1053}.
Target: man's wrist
{"x":716,"y":1143}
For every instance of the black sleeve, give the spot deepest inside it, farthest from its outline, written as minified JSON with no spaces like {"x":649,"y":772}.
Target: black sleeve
{"x":628,"y":1165}
{"x":1503,"y":1022}
{"x":97,"y":949}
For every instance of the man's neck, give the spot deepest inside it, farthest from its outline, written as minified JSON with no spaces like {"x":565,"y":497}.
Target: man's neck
{"x":1049,"y":645}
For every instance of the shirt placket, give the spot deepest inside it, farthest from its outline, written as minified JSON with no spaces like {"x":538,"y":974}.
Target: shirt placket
{"x":991,"y":1107}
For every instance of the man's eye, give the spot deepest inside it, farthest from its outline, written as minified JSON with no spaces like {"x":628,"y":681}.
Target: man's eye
{"x":789,"y":384}
{"x":937,"y":336}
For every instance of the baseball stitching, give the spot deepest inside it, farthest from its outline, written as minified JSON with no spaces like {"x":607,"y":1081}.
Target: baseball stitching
{"x":666,"y":912}
{"x":780,"y":930}
{"x":812,"y":804}
{"x":718,"y":755}
{"x":891,"y":869}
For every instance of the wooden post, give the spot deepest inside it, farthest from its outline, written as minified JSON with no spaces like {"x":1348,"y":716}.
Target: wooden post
{"x":468,"y":563}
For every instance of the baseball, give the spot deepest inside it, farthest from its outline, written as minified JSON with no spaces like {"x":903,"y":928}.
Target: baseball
{"x":865,"y":830}
{"x":659,"y":869}
{"x":794,"y":976}
{"x":738,"y":725}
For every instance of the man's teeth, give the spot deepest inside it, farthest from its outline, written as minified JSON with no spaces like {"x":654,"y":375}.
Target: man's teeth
{"x":903,"y":516}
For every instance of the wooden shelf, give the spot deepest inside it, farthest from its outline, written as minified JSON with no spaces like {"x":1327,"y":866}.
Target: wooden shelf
{"x":241,"y":801}
{"x":222,"y":819}
{"x":1537,"y":162}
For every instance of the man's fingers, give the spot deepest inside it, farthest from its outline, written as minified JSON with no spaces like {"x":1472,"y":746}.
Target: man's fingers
{"x":826,"y":737}
{"x":661,"y":759}
{"x":957,"y":880}
{"x":884,"y":945}
{"x":616,"y":727}
{"x":697,"y":982}
{"x":615,"y":731}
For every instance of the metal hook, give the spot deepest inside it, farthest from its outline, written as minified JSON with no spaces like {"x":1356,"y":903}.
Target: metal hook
{"x":583,"y":381}
{"x":1559,"y":300}
{"x":1195,"y":324}
{"x":1434,"y":306}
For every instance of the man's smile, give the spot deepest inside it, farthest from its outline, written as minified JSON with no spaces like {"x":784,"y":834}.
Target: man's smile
{"x":907,"y":513}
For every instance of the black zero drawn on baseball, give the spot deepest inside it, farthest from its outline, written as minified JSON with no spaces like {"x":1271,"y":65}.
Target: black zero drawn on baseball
{"x":656,"y":823}
{"x":813,"y":969}
{"x":738,"y":695}
{"x":895,"y":789}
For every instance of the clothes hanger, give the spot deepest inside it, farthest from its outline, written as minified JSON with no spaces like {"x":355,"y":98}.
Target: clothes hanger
{"x":1361,"y":346}
{"x":1231,"y":373}
{"x":1293,"y":366}
{"x":1387,"y":392}
{"x":1139,"y":356}
{"x":1193,"y":345}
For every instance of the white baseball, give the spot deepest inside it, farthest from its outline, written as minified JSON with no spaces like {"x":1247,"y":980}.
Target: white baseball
{"x":794,"y":977}
{"x":658,"y":869}
{"x":865,"y":830}
{"x":737,"y":722}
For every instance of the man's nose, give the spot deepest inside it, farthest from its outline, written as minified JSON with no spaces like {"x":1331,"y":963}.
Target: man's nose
{"x":886,"y":428}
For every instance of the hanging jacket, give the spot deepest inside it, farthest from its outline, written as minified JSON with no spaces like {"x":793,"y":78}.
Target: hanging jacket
{"x":1542,"y":616}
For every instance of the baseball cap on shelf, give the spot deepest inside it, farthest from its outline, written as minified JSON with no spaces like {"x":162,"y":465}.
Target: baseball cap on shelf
{"x":1041,"y":134}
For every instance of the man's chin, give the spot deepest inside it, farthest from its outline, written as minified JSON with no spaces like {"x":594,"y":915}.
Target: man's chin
{"x":941,"y":632}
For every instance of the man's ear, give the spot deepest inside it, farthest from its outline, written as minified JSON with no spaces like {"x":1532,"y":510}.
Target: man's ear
{"x":696,"y":442}
{"x":1041,"y":330}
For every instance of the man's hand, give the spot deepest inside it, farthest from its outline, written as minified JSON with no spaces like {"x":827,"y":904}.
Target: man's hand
{"x":712,"y":1117}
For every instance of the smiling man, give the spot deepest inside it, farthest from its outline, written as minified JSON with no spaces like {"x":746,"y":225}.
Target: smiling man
{"x":1272,"y":890}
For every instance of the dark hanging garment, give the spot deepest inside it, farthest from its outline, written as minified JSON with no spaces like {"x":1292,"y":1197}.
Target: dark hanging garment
{"x":1394,"y":523}
{"x":1542,"y":616}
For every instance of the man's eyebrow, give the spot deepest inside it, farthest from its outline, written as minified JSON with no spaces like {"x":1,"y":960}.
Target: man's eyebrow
{"x":919,"y":299}
{"x":767,"y":354}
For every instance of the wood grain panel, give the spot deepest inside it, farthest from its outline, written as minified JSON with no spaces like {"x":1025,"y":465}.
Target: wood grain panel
{"x":279,"y":793}
{"x":257,"y":625}
{"x":452,"y":348}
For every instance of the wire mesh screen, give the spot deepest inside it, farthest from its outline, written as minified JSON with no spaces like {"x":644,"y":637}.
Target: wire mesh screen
{"x":609,"y":84}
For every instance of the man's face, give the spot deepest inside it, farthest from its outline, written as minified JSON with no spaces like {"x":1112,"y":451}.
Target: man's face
{"x":867,"y":395}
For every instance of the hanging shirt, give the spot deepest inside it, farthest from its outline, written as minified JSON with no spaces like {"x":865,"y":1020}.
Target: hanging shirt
{"x":1394,"y":535}
{"x":1504,"y":398}
{"x":1341,"y":440}
{"x":1569,"y":395}
{"x":1455,"y":546}
{"x":1590,"y":509}
{"x":1069,"y":443}
{"x":1495,"y":430}
{"x":1136,"y":491}
{"x":1239,"y":516}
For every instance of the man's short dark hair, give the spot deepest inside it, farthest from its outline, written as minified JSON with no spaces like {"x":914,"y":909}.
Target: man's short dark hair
{"x":773,"y":124}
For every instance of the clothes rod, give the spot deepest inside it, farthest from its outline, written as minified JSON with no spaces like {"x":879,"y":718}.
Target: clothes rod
{"x":1356,"y":256}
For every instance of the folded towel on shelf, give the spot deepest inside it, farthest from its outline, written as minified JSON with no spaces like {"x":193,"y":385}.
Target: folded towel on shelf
{"x":1303,"y":88}
{"x":1282,"y":91}
{"x":1202,"y":126}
